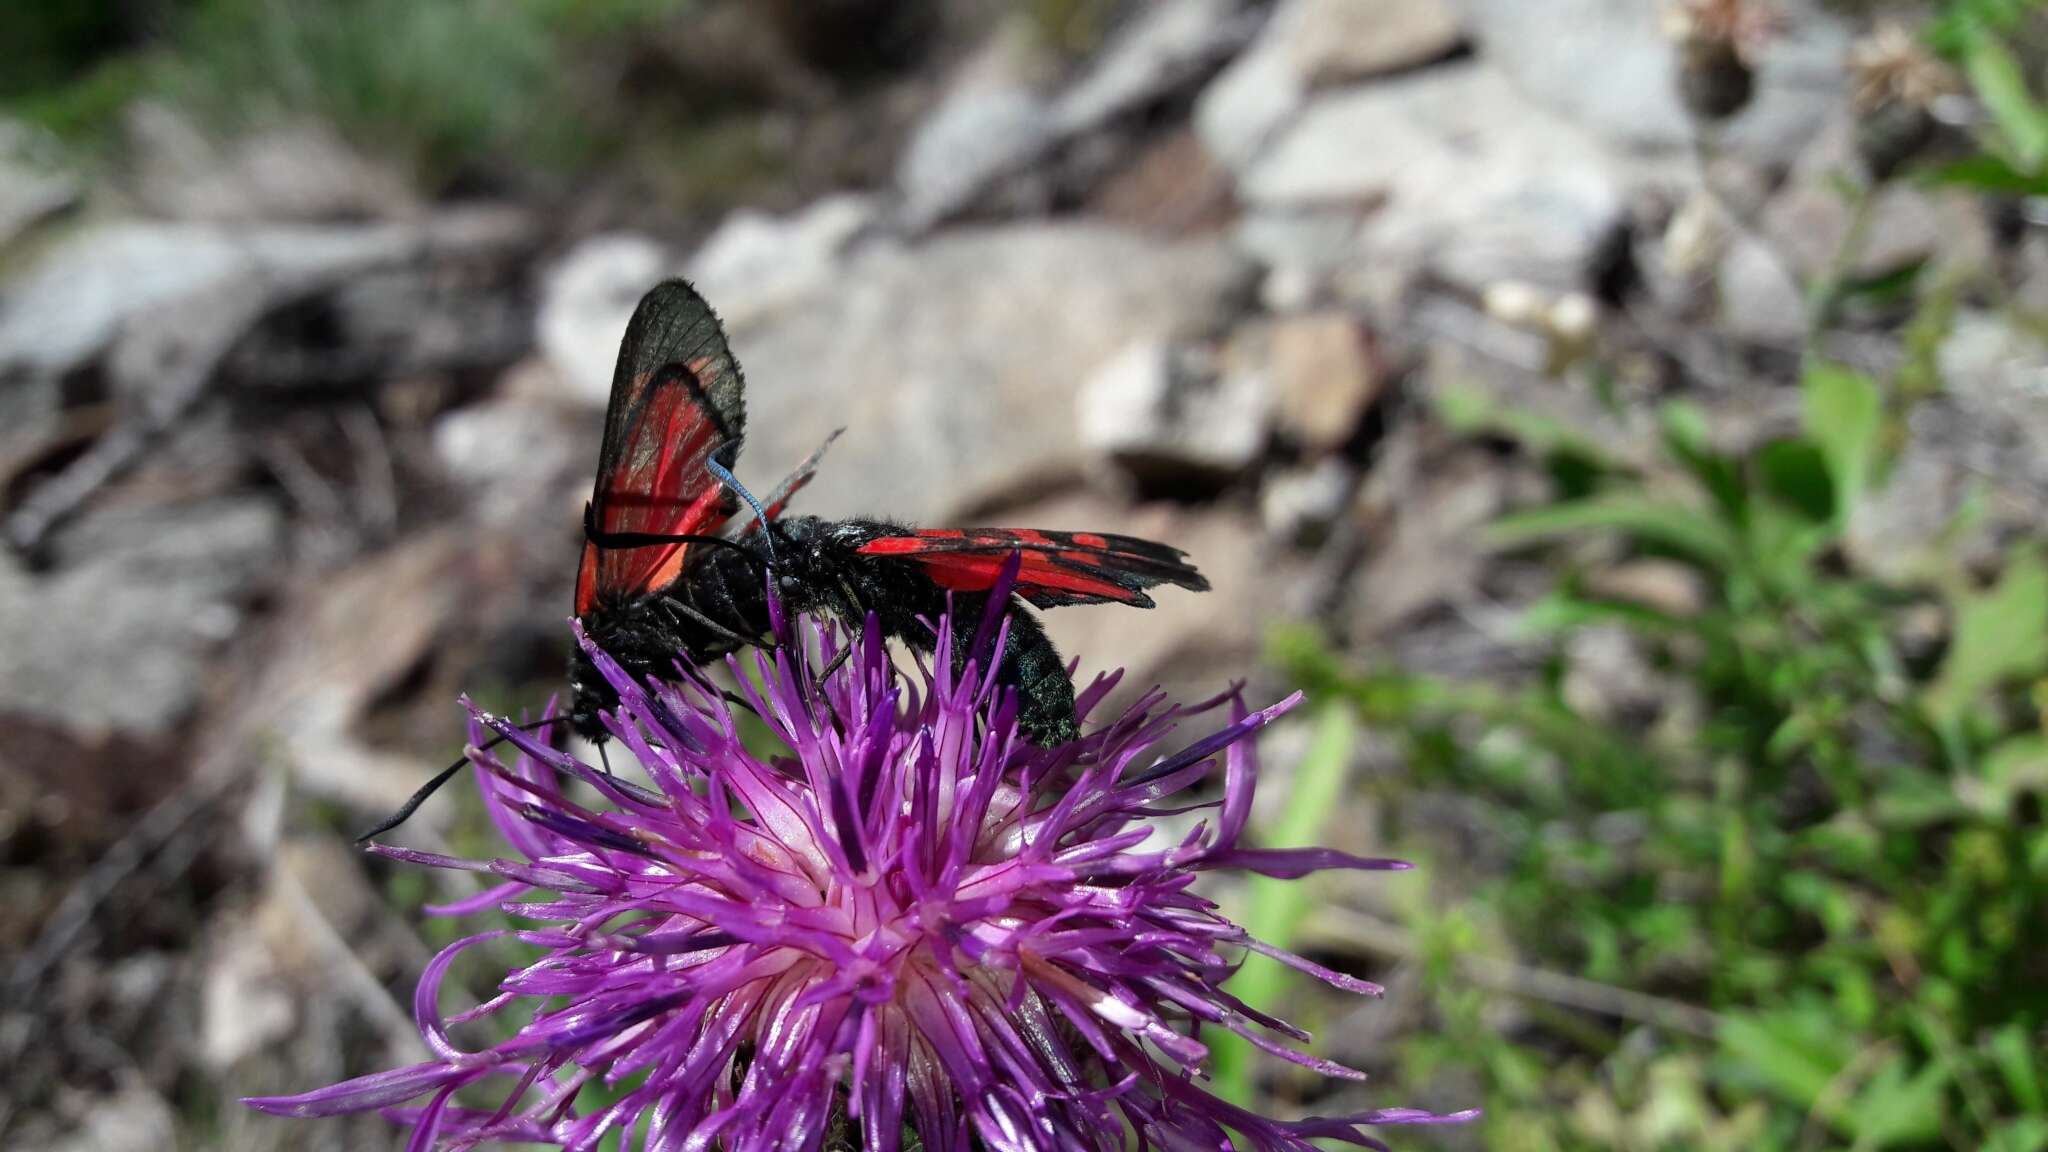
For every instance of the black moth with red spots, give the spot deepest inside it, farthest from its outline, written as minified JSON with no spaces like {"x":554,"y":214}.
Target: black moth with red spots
{"x":672,"y":568}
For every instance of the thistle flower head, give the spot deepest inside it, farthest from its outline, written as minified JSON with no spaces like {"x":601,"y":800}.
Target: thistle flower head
{"x":907,"y":920}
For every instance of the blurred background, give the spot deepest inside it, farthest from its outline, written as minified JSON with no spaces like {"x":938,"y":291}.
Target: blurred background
{"x":1628,"y":420}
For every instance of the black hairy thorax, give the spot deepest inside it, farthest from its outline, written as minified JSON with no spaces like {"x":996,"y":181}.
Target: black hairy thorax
{"x":815,"y":567}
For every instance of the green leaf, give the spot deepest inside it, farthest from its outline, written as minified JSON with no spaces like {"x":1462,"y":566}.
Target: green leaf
{"x":2001,"y":633}
{"x":1844,"y":416}
{"x":2025,"y":1134}
{"x":2002,"y":85}
{"x":2012,"y":1049}
{"x":1660,"y":522}
{"x":1895,"y":1108}
{"x":1798,"y":474}
{"x":1795,"y":1053}
{"x":1989,"y":174}
{"x":1274,"y":909}
{"x":1690,"y":442}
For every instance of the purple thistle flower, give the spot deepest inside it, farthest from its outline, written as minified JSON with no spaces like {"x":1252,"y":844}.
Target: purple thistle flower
{"x":911,"y":920}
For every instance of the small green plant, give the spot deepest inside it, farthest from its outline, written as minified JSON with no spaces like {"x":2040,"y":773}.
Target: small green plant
{"x":1838,"y":853}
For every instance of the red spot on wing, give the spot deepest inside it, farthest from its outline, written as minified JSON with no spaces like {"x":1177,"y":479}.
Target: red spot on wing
{"x":973,"y":572}
{"x":1056,"y":568}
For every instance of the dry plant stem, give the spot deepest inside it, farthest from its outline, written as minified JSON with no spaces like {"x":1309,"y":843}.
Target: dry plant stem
{"x":1341,"y":928}
{"x":402,"y":1042}
{"x":73,"y":915}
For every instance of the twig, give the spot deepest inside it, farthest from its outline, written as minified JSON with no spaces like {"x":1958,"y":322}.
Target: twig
{"x":376,"y":477}
{"x":354,"y":977}
{"x":1346,"y":927}
{"x":73,"y":915}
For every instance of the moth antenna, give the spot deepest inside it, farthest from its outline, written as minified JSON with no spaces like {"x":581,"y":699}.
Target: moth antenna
{"x":427,"y":790}
{"x":726,"y":478}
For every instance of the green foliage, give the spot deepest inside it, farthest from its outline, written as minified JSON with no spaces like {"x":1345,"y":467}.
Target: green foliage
{"x":1275,"y":909}
{"x":1980,"y":36}
{"x":1836,"y":847}
{"x":436,"y":87}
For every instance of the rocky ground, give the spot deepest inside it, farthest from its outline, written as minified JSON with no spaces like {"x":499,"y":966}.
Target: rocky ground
{"x":292,"y":455}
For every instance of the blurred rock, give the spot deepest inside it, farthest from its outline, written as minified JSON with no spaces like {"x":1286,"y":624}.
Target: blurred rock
{"x":1333,"y":42}
{"x":954,"y":365}
{"x":1608,"y":65}
{"x":991,"y":123}
{"x":1171,"y":188}
{"x":301,"y":172}
{"x":2031,"y":295}
{"x":1177,"y":420}
{"x":347,"y":640}
{"x":756,"y":264}
{"x":1247,"y":105}
{"x":1427,"y":548}
{"x":1192,"y":642}
{"x":76,"y":299}
{"x":33,"y":185}
{"x":245,"y":1003}
{"x":1760,"y":301}
{"x":1167,"y":46}
{"x":1607,"y":679}
{"x":1300,"y":504}
{"x":1909,"y":222}
{"x":1325,"y":378}
{"x":587,"y":299}
{"x":1467,"y":178}
{"x":1309,"y":45}
{"x":133,"y":1119}
{"x":1995,"y":371}
{"x":114,"y":640}
{"x":1312,"y":244}
{"x":1984,"y":437}
{"x":512,"y":453}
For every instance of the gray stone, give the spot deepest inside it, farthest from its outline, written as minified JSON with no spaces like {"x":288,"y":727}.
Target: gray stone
{"x":1314,"y":241}
{"x":1608,"y":65}
{"x":1333,"y":42}
{"x":1985,"y":435}
{"x":1167,"y":45}
{"x":299,"y":172}
{"x":954,"y":365}
{"x":1300,"y":504}
{"x":1325,"y":377}
{"x":512,"y":453}
{"x":1193,"y":644}
{"x":70,"y":306}
{"x":114,"y":639}
{"x":32,"y":183}
{"x":1246,"y":106}
{"x":756,"y":264}
{"x":586,"y":300}
{"x":978,"y":135}
{"x":1467,"y":178}
{"x":1908,"y":222}
{"x":132,"y":1119}
{"x":1607,"y":677}
{"x":1759,"y":299}
{"x":1167,"y":414}
{"x":1996,"y":371}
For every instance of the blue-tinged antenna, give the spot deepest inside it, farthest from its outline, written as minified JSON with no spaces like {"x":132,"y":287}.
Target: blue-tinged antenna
{"x":726,"y":478}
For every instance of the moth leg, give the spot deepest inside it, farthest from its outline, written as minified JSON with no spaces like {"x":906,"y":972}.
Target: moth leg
{"x":833,"y":665}
{"x":738,"y":641}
